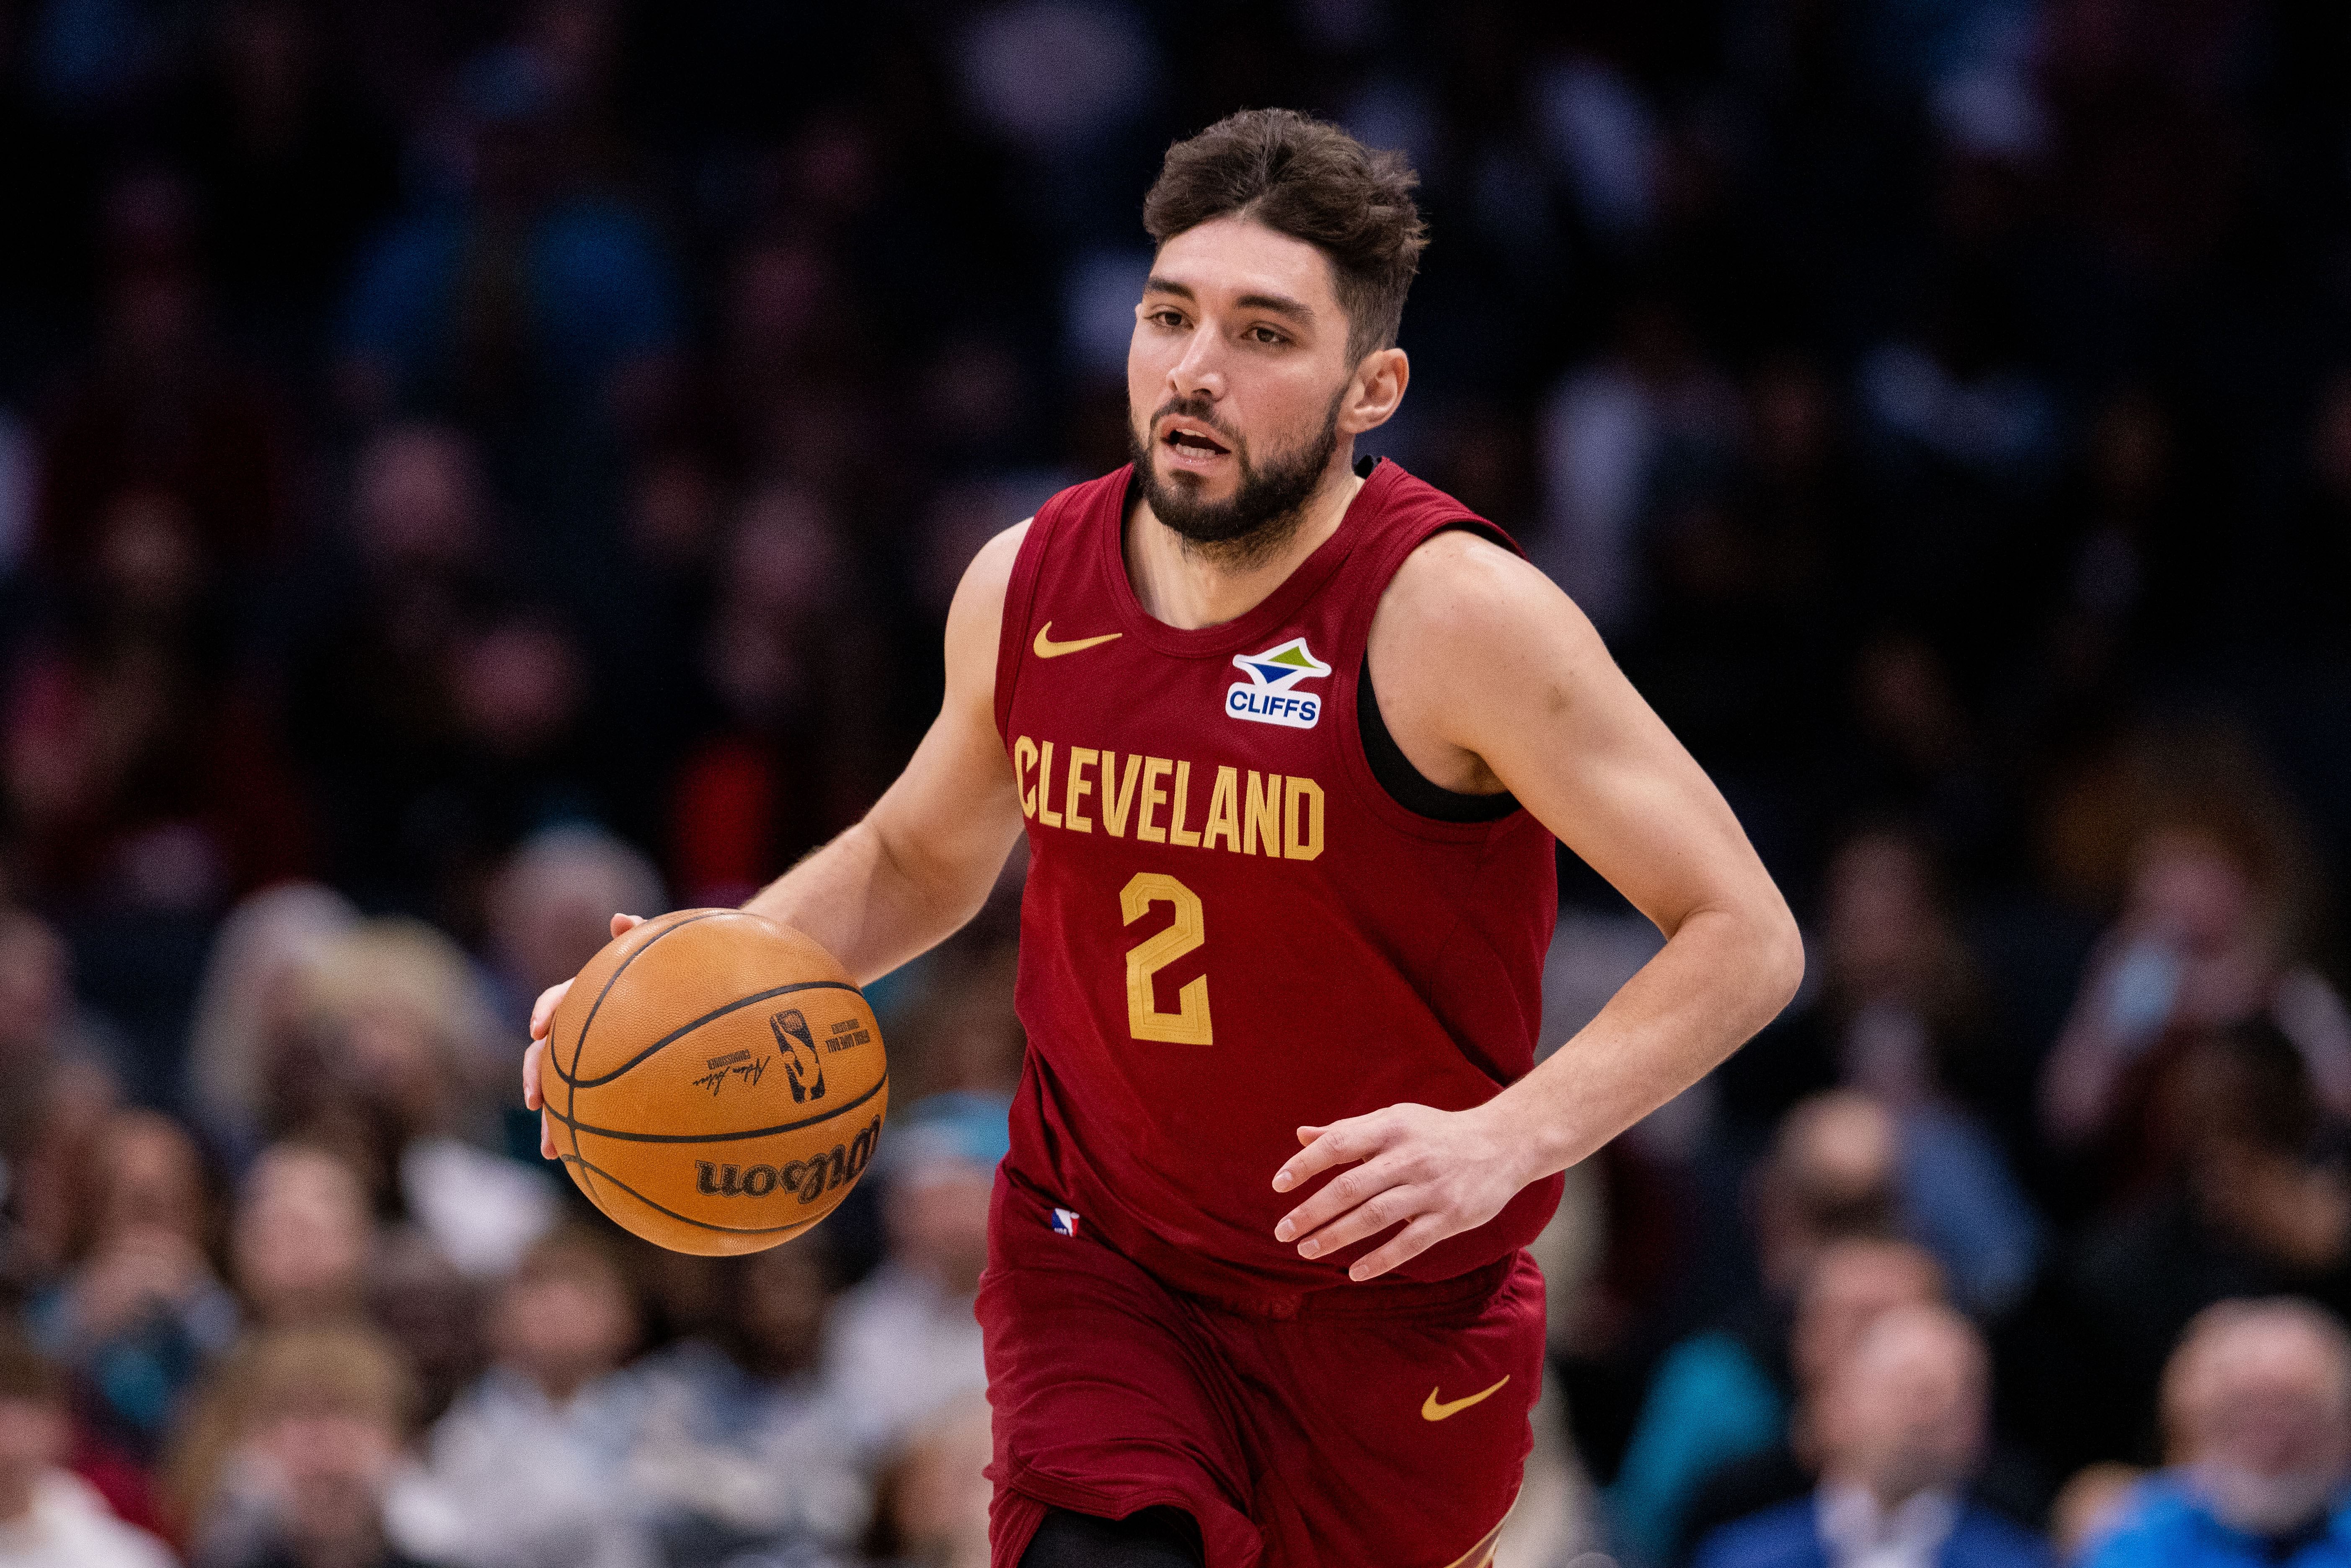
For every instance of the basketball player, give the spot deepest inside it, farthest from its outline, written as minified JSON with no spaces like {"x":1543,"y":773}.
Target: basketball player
{"x":1290,"y":737}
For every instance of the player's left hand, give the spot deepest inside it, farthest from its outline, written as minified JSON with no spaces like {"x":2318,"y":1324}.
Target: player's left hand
{"x":1437,"y":1172}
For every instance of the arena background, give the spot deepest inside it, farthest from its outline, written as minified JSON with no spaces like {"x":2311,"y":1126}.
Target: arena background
{"x":465,"y":468}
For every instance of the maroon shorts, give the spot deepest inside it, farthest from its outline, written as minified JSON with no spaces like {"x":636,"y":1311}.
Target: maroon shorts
{"x":1375,"y":1426}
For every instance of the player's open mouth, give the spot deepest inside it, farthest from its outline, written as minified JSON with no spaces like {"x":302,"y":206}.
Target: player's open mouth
{"x":1192,"y":446}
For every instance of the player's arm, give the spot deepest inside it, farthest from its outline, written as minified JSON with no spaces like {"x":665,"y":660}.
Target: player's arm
{"x":1493,"y":672}
{"x":921,"y":862}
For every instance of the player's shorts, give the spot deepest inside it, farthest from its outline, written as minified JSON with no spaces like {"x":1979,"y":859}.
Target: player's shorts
{"x":1375,"y":1426}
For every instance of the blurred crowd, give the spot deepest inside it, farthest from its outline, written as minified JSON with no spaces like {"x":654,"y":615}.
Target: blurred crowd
{"x":467,"y":469}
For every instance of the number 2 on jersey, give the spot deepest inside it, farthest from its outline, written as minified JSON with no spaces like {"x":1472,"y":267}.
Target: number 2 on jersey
{"x":1189,"y":1024}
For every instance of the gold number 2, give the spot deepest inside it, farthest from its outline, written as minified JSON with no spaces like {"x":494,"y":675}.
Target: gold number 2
{"x":1189,"y":1024}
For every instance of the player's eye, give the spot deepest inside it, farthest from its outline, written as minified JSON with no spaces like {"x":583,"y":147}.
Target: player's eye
{"x":1266,"y":335}
{"x":1170,"y":319}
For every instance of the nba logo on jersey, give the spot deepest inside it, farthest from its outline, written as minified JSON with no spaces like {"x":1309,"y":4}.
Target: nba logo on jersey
{"x":1269,"y":694}
{"x":1065,"y":1222}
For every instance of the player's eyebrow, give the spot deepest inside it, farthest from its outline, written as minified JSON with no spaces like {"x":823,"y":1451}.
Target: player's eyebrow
{"x":1278,"y":305}
{"x":1275,"y":304}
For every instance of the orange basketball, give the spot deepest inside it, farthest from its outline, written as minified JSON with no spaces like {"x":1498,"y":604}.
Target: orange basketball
{"x":716,"y":1081}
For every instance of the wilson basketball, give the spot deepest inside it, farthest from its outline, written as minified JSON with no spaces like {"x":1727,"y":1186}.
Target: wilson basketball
{"x":716,"y":1081}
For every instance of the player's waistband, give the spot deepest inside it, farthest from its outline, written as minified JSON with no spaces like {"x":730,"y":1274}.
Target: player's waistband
{"x":1373,"y":1298}
{"x":1386,"y":1298}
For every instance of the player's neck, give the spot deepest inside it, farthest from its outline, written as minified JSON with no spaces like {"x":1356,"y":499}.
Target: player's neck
{"x":1191,"y":585}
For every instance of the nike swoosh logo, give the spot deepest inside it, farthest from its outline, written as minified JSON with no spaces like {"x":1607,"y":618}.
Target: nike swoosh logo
{"x":1432,"y":1409}
{"x":1049,"y":649}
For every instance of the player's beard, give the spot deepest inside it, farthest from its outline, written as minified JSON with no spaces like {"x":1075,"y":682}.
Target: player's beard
{"x":1268,"y":504}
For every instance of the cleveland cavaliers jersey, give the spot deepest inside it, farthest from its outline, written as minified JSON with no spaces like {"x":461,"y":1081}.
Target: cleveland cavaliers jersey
{"x":1231,"y":928}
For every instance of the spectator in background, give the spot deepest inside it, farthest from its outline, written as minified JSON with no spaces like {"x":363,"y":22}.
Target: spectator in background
{"x":2096,"y":1501}
{"x":300,"y":1240}
{"x":1723,"y":1393}
{"x":740,"y":1448}
{"x":2212,"y":933}
{"x":50,"y":1518}
{"x":1615,"y":433}
{"x":1901,"y":1014}
{"x":143,"y":779}
{"x":2257,"y":1410}
{"x":788,"y":679}
{"x":293,"y":164}
{"x":432,"y":1314}
{"x":528,"y":1468}
{"x":289,"y":1457}
{"x":141,"y":1313}
{"x":2257,"y":1201}
{"x":551,"y":906}
{"x":1901,"y":1429}
{"x":251,"y":1002}
{"x":372,"y":701}
{"x":1853,"y":1282}
{"x":904,"y":1343}
{"x":528,"y":295}
{"x":57,"y":1060}
{"x":394,"y":1066}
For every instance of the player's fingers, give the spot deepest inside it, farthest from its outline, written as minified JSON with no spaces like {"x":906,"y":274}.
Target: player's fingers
{"x":624,"y":924}
{"x":530,"y":1073}
{"x":542,"y":1011}
{"x":545,"y":1137}
{"x":1366,"y":1219}
{"x":1407,"y":1244}
{"x":1354,"y":1139}
{"x":1344,"y":1193}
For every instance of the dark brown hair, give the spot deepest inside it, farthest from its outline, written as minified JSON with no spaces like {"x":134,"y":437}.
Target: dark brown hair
{"x":1314,"y":181}
{"x":26,"y":1375}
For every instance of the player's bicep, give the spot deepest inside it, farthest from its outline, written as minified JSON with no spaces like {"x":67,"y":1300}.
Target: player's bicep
{"x":1564,"y":731}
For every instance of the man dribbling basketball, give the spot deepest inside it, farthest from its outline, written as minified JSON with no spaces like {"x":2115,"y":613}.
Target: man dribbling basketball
{"x":1290,"y":737}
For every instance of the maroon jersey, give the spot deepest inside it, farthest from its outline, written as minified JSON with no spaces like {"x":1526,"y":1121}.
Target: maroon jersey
{"x":1231,"y":928}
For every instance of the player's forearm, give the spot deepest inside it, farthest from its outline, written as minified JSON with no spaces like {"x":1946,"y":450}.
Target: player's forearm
{"x":867,"y":904}
{"x":1722,"y":976}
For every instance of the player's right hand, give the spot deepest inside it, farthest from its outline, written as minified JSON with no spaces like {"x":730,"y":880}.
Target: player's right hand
{"x":542,"y":1015}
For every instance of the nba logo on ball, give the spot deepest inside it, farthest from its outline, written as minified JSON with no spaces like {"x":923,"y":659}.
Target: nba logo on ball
{"x":1269,"y":694}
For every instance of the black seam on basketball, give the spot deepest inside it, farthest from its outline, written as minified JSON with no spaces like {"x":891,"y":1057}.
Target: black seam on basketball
{"x":687,"y":1219}
{"x":580,"y":1045}
{"x":673,"y":1035}
{"x":579,"y":1127}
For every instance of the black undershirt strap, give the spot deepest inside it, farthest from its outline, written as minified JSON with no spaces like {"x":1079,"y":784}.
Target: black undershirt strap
{"x":1408,"y":786}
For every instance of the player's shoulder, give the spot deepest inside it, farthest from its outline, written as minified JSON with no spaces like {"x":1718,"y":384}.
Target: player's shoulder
{"x":986,"y":579}
{"x":1461,"y":581}
{"x":976,"y":617}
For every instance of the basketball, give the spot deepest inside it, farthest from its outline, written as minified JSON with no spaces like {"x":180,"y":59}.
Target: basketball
{"x":716,"y":1082}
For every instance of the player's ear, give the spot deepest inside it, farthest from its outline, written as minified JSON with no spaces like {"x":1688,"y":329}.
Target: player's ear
{"x":1375,"y":391}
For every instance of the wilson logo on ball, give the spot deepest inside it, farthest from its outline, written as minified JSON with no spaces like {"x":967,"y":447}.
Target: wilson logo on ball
{"x":806,"y":1179}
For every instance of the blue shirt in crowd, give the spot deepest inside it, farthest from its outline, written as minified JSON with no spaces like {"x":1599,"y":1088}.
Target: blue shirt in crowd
{"x":1790,"y":1536}
{"x":2168,"y":1527}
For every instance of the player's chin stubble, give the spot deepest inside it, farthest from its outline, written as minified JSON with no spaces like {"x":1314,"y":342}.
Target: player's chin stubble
{"x":1267,"y":505}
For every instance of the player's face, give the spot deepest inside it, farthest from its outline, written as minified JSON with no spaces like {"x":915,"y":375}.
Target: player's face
{"x":1235,"y":378}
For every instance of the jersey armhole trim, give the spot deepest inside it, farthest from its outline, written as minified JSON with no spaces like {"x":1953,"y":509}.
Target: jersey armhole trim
{"x":1407,"y":784}
{"x":1019,"y":601}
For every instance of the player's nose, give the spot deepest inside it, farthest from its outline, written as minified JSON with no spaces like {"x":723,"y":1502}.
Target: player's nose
{"x":1200,"y":372}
